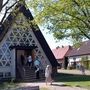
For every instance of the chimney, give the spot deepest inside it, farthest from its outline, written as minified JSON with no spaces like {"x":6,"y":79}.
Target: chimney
{"x":57,"y":47}
{"x":62,"y":46}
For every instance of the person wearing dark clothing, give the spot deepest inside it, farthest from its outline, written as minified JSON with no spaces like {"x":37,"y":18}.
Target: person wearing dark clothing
{"x":22,"y":60}
{"x":37,"y":72}
{"x":21,"y":66}
{"x":37,"y":67}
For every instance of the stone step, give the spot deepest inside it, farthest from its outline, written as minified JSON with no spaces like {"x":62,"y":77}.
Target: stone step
{"x":33,"y":77}
{"x":32,"y":80}
{"x":30,"y":75}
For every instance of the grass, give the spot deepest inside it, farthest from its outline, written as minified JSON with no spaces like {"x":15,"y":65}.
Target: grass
{"x":44,"y":88}
{"x":68,"y":79}
{"x":14,"y":86}
{"x":8,"y":86}
{"x":74,"y":80}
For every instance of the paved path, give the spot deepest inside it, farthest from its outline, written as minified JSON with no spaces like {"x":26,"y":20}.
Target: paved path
{"x":87,"y":72}
{"x":54,"y":86}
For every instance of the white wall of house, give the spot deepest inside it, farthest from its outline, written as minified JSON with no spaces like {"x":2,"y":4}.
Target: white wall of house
{"x":73,"y":59}
{"x":78,"y":58}
{"x":85,"y":59}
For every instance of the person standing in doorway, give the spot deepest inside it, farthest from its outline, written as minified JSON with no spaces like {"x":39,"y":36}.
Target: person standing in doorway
{"x":22,"y":60}
{"x":30,"y":61}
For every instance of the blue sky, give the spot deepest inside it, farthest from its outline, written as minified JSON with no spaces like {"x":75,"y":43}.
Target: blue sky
{"x":52,"y":42}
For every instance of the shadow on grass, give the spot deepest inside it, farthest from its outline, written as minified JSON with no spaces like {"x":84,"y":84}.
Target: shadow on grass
{"x":61,"y":85}
{"x":63,"y":77}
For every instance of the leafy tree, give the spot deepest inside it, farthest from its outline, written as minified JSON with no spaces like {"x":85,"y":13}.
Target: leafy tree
{"x":64,"y":18}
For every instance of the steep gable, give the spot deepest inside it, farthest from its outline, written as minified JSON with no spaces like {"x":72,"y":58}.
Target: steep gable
{"x":11,"y":18}
{"x":11,"y":32}
{"x":60,"y":53}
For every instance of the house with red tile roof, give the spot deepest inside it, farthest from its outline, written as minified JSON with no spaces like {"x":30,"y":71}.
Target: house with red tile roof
{"x":60,"y":55}
{"x":81,"y":54}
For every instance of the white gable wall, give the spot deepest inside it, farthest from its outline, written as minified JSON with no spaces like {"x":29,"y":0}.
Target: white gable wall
{"x":18,"y":36}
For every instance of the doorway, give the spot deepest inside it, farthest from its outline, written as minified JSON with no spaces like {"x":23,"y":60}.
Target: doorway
{"x":20,"y":68}
{"x":17,"y":70}
{"x":65,"y":62}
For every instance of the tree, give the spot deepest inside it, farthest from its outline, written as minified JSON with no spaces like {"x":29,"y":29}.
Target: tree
{"x":1,"y":2}
{"x":64,"y":18}
{"x":5,"y":7}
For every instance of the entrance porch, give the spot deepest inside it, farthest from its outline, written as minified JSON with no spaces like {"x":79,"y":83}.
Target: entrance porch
{"x":23,"y":72}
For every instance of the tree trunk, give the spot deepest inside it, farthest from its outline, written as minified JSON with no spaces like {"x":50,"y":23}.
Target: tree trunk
{"x":1,"y":3}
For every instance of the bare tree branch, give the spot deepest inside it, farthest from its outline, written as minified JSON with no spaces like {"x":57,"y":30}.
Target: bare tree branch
{"x":86,"y":23}
{"x":7,"y":9}
{"x":4,"y":16}
{"x":84,"y":33}
{"x":82,"y":10}
{"x":5,"y":3}
{"x":88,"y":26}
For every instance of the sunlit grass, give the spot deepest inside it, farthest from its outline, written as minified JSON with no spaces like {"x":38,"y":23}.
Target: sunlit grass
{"x":81,"y":83}
{"x":44,"y":88}
{"x":74,"y":80}
{"x":69,"y":80}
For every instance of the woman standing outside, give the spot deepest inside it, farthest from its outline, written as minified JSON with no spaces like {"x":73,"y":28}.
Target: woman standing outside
{"x":48,"y":72}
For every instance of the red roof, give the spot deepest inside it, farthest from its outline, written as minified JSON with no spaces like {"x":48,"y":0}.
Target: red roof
{"x":83,"y":50}
{"x":60,"y":53}
{"x":72,"y":52}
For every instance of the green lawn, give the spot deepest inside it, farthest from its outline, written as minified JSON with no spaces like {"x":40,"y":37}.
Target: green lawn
{"x":14,"y":86}
{"x":74,"y":80}
{"x":8,"y":86}
{"x":68,"y":79}
{"x":44,"y":88}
